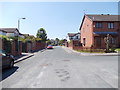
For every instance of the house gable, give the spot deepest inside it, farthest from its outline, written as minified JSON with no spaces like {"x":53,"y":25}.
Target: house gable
{"x":86,"y":30}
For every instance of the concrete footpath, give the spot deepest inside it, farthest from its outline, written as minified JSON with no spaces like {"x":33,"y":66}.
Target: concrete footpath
{"x":93,"y":54}
{"x":25,"y":56}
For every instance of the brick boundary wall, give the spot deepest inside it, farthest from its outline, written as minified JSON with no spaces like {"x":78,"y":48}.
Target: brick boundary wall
{"x":13,"y":48}
{"x":35,"y":46}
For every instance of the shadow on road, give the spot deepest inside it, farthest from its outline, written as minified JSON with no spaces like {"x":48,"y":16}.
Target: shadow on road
{"x":50,"y":48}
{"x":8,"y":72}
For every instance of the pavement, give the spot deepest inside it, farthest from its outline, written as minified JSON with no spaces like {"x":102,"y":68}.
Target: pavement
{"x":63,"y":68}
{"x":24,"y":56}
{"x":93,"y":54}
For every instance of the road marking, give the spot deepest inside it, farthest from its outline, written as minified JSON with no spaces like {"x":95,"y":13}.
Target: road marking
{"x":40,"y":75}
{"x":44,"y":67}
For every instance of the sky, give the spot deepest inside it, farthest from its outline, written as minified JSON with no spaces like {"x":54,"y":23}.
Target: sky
{"x":57,"y":18}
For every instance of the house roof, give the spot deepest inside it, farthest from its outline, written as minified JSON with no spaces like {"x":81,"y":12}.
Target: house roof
{"x":3,"y":31}
{"x":103,"y":17}
{"x":9,"y":30}
{"x":72,"y":34}
{"x":100,"y":17}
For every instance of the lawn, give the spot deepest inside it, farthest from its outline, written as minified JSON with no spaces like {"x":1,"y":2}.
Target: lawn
{"x":92,"y":51}
{"x":117,"y":50}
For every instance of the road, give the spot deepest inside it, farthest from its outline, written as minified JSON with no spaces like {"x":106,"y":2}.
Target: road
{"x":63,"y":68}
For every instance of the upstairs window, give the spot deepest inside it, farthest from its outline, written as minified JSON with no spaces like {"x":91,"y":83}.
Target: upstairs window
{"x":70,"y":38}
{"x":76,"y":37}
{"x":98,"y":25}
{"x":110,"y":25}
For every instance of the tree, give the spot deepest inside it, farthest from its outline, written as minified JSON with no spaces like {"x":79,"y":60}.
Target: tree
{"x":108,"y":43}
{"x":57,"y":39}
{"x":61,"y":42}
{"x":41,"y":33}
{"x":48,"y":41}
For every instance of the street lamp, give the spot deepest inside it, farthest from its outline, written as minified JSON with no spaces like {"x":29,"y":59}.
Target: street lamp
{"x":19,"y":31}
{"x":19,"y":22}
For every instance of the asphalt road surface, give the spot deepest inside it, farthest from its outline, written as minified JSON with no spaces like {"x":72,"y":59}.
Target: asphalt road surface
{"x":63,"y":68}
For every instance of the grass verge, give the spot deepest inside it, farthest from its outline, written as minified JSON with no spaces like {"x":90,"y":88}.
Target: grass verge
{"x":92,"y":51}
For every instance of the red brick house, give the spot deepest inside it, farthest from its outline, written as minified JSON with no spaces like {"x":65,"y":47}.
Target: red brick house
{"x":73,"y":41}
{"x":94,"y":29}
{"x":73,"y":36}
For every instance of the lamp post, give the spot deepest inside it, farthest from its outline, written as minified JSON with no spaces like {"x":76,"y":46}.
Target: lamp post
{"x":19,"y":31}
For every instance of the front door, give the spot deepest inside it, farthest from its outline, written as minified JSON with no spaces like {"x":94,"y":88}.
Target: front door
{"x":98,"y":42}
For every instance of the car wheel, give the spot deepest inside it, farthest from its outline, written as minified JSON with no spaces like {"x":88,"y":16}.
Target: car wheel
{"x":11,"y":64}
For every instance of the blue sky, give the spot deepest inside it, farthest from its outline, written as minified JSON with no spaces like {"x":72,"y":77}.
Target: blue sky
{"x":57,"y":18}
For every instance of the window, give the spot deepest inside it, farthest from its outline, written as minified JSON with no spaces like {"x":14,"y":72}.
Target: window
{"x":98,"y":25}
{"x":110,"y":25}
{"x":112,"y":41}
{"x":84,"y":41}
{"x":76,"y":37}
{"x":70,"y":38}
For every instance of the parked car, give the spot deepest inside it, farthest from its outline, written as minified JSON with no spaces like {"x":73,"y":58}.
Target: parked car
{"x":6,"y":59}
{"x":49,"y":47}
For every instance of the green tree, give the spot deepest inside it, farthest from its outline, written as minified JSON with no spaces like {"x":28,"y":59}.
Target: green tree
{"x":60,"y":42}
{"x":57,"y":39}
{"x":48,"y":41}
{"x":41,"y":33}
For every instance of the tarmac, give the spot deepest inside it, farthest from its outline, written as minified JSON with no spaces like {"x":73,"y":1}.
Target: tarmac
{"x":28,"y":55}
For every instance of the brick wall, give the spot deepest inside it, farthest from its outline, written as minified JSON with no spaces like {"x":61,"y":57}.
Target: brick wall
{"x":106,"y":29}
{"x":88,"y":28}
{"x":75,"y":44}
{"x":66,"y":44}
{"x":34,"y":46}
{"x":86,"y":32}
{"x":13,"y":50}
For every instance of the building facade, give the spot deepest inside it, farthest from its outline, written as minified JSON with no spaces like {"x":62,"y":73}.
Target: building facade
{"x":10,"y":32}
{"x":95,"y":28}
{"x":73,"y":36}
